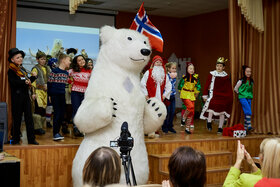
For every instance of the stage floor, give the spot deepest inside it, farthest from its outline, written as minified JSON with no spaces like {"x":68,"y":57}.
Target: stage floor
{"x":50,"y":163}
{"x":200,"y":133}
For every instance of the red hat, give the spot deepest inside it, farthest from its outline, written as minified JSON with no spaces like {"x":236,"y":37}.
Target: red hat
{"x":157,"y":58}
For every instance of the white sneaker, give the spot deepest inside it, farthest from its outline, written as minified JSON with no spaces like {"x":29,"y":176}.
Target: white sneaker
{"x":152,"y":135}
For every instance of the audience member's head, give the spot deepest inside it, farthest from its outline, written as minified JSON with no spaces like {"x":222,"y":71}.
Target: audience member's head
{"x":187,"y":167}
{"x":102,"y":167}
{"x":270,"y":157}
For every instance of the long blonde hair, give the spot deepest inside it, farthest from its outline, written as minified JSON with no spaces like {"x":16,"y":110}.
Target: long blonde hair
{"x":270,"y":148}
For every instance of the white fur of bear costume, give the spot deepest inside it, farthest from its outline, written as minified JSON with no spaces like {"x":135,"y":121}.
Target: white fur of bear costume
{"x":123,"y":55}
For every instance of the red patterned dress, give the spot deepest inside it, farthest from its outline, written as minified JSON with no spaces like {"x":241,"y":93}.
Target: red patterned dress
{"x":219,"y":95}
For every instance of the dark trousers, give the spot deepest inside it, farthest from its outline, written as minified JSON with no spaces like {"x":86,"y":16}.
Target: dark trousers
{"x":168,"y":123}
{"x":21,"y":104}
{"x":76,"y":100}
{"x":67,"y":114}
{"x":58,"y":102}
{"x":39,"y":110}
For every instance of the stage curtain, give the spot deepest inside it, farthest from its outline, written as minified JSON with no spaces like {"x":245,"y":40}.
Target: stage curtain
{"x":73,"y":5}
{"x":261,"y":51}
{"x":7,"y":41}
{"x":253,"y":12}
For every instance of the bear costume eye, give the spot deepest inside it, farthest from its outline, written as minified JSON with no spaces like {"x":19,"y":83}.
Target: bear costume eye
{"x":129,"y":38}
{"x":145,"y":42}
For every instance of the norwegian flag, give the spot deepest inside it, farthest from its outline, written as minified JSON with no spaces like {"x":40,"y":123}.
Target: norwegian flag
{"x":142,"y":24}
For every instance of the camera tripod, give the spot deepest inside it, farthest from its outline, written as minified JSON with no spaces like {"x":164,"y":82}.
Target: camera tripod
{"x":127,"y":165}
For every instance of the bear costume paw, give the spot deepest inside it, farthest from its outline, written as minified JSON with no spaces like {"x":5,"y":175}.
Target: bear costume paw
{"x":154,"y":116}
{"x":102,"y":112}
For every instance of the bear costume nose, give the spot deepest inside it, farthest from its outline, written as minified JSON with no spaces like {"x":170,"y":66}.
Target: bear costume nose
{"x":145,"y":52}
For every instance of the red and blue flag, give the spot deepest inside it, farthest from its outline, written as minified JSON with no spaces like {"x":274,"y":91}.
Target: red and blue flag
{"x":142,"y":24}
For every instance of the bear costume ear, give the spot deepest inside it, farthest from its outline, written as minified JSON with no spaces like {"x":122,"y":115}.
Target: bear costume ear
{"x":106,"y":32}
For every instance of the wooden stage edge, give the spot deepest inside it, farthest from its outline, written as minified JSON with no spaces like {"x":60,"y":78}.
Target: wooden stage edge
{"x":50,"y":163}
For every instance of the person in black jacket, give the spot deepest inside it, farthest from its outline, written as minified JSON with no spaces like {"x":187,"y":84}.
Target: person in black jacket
{"x":19,"y":84}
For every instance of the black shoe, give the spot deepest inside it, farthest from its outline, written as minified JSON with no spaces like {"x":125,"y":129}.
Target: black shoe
{"x":34,"y":142}
{"x":172,"y":130}
{"x":183,"y":123}
{"x":65,"y":130}
{"x":49,"y":125}
{"x":15,"y":142}
{"x":220,"y":131}
{"x":187,"y":131}
{"x":39,"y":131}
{"x":209,"y":126}
{"x":77,"y":133}
{"x":165,"y":131}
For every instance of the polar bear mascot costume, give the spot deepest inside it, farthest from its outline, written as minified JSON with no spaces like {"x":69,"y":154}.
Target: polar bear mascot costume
{"x":114,"y":96}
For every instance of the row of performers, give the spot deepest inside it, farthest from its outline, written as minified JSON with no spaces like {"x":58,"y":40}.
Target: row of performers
{"x":46,"y":86}
{"x":217,"y":94}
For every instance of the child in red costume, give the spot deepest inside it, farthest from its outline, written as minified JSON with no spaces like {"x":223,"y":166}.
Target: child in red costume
{"x":218,"y":96}
{"x":155,"y":82}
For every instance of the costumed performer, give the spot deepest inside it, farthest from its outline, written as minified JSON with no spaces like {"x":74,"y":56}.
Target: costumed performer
{"x":79,"y":76}
{"x":189,"y":87}
{"x":39,"y":91}
{"x":49,"y":109}
{"x":172,"y":74}
{"x":21,"y":103}
{"x":155,"y":82}
{"x":56,"y":90}
{"x":244,"y":89}
{"x":217,"y":95}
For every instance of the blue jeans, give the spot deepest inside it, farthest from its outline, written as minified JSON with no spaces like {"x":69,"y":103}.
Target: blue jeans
{"x":246,"y":106}
{"x":76,"y":100}
{"x":58,"y":102}
{"x":168,"y":123}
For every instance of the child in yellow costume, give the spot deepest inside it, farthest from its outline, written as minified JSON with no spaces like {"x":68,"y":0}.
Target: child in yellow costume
{"x":189,"y":86}
{"x":40,"y":92}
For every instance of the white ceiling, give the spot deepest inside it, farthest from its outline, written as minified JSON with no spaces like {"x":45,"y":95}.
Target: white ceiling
{"x":170,"y":8}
